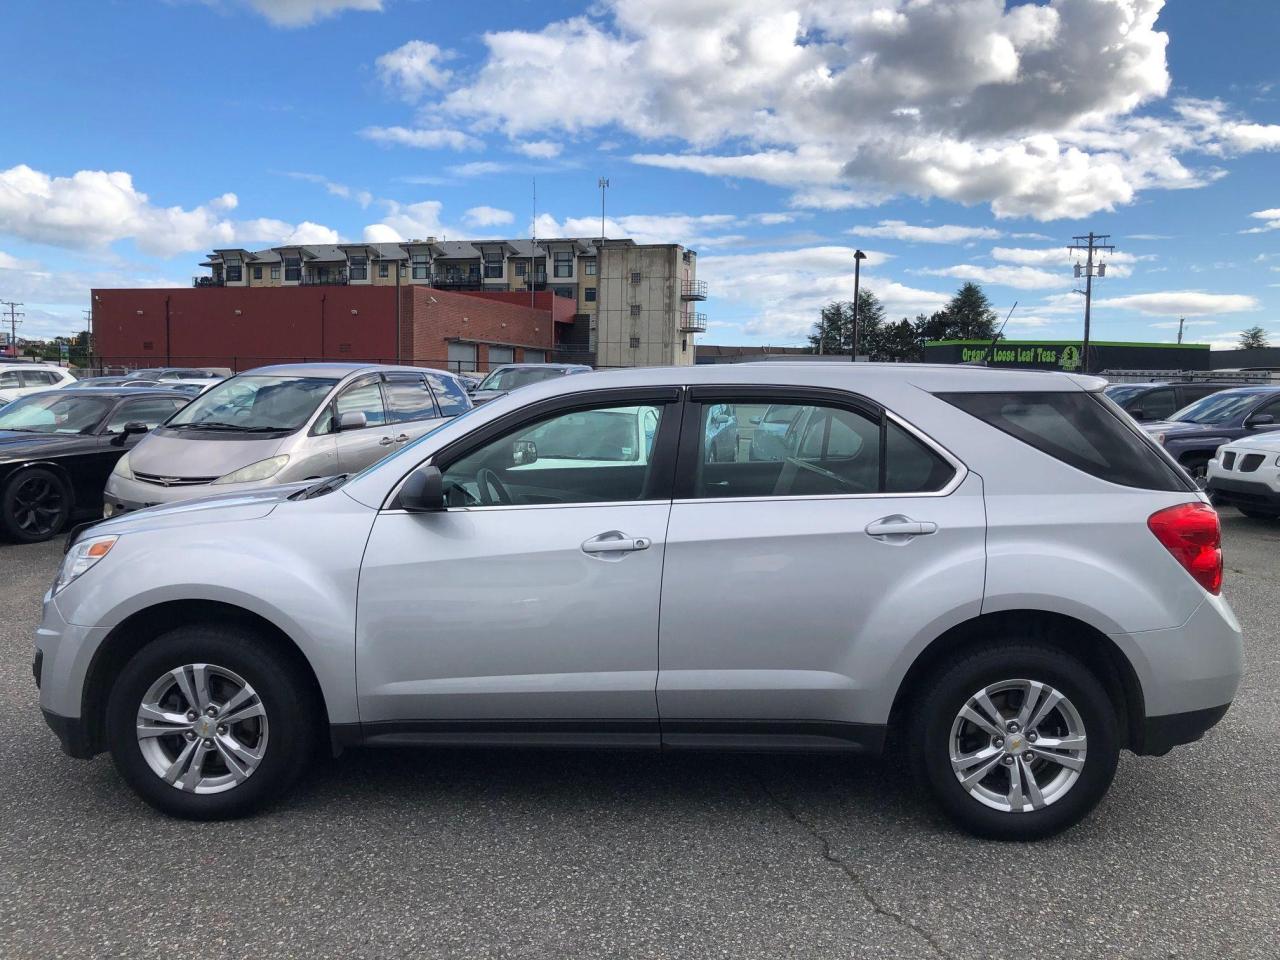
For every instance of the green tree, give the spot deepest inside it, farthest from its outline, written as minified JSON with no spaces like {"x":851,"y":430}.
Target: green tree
{"x":967,"y":316}
{"x":834,"y":330}
{"x":1253,"y":338}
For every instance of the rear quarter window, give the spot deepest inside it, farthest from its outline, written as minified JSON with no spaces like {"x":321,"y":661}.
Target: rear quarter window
{"x":1080,"y":429}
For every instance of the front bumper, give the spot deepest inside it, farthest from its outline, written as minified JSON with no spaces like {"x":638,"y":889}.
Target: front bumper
{"x":123,"y":495}
{"x":71,"y":733}
{"x":1162,"y":734}
{"x":1242,"y":493}
{"x":63,"y":652}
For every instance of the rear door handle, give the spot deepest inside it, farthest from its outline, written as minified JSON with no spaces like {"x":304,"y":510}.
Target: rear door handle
{"x":615,"y":542}
{"x":898,"y":528}
{"x":402,"y":438}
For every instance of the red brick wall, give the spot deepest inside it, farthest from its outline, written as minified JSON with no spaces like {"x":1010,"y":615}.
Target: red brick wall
{"x":290,"y":324}
{"x":562,"y":308}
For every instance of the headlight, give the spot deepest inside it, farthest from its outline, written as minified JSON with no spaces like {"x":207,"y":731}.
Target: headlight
{"x":122,"y":468}
{"x":262,"y":470}
{"x":81,"y":558}
{"x":1160,"y":439}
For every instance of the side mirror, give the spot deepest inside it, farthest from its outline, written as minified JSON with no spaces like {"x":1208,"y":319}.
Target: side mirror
{"x":755,"y":421}
{"x":134,"y":426}
{"x":1260,"y":420}
{"x":523,"y":452}
{"x":352,"y":420}
{"x":423,"y":491}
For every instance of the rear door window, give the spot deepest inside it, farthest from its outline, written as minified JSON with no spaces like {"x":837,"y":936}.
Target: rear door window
{"x":450,"y":395}
{"x":1081,"y":430}
{"x":408,"y":399}
{"x":1157,"y":404}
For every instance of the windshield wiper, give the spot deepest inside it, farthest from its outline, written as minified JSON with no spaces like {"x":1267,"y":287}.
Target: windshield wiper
{"x":219,"y":425}
{"x":321,"y":488}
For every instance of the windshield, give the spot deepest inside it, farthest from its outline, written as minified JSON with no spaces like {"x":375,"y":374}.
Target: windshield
{"x":1121,"y":393}
{"x":54,"y":413}
{"x":1216,"y":408}
{"x":519,"y":377}
{"x":255,"y":403}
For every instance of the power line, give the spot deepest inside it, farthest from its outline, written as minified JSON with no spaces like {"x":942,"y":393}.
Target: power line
{"x":1090,"y":243}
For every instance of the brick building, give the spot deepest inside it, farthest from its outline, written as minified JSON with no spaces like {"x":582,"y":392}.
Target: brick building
{"x":244,"y":327}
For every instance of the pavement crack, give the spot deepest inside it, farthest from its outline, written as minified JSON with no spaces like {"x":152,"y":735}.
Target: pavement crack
{"x":859,"y":882}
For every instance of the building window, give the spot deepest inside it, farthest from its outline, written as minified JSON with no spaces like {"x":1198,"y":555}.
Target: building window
{"x":570,"y":293}
{"x":589,"y":267}
{"x":563,"y":264}
{"x":590,"y":295}
{"x":493,"y":265}
{"x":635,"y":343}
{"x":453,"y":273}
{"x":235,"y":273}
{"x":292,"y":269}
{"x":520,"y":269}
{"x":635,"y":276}
{"x":473,"y":272}
{"x":384,"y":270}
{"x":421,"y":268}
{"x":359,"y":268}
{"x":635,"y":309}
{"x":257,"y":273}
{"x":275,"y":273}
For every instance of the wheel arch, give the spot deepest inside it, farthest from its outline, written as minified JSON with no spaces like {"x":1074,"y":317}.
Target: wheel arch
{"x":141,"y":627}
{"x":1066,"y":633}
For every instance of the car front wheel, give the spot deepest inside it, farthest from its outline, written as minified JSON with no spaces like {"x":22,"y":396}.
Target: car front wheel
{"x":210,"y":722}
{"x":1016,"y":742}
{"x":35,"y":505}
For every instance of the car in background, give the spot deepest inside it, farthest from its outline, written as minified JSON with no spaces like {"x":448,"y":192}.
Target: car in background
{"x":183,"y":373}
{"x":115,"y":381}
{"x":1194,"y":433}
{"x":20,"y":380}
{"x":281,"y":424}
{"x":1245,"y":474}
{"x":57,"y":449}
{"x":512,"y":376}
{"x":191,"y":388}
{"x":1001,"y":582}
{"x":1148,"y":402}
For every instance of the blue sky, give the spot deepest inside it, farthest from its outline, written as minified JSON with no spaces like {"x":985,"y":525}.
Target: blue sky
{"x":952,"y":140}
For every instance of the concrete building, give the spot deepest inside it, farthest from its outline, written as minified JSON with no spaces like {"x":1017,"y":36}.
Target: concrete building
{"x":653,"y":289}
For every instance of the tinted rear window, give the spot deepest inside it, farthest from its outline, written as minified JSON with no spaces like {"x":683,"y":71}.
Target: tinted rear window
{"x":1079,"y":429}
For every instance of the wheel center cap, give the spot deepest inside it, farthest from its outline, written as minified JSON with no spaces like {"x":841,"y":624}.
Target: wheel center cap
{"x":205,"y":727}
{"x":1015,"y":743}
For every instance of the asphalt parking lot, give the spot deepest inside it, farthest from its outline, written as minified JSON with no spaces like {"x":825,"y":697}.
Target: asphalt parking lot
{"x":473,"y":854}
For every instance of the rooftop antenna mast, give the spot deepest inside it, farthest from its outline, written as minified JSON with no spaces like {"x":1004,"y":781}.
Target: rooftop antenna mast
{"x":533,"y":246}
{"x":999,"y":333}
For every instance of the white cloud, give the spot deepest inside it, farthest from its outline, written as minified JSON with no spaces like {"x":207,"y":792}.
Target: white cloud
{"x":1019,"y":277}
{"x":96,"y":208}
{"x":1034,"y":109}
{"x":1175,"y":324}
{"x":690,"y":230}
{"x":414,"y":68}
{"x":784,"y":291}
{"x":1119,"y":263}
{"x":478,"y":168}
{"x":424,"y":138}
{"x":1190,"y":303}
{"x":1272,"y":217}
{"x":301,"y":13}
{"x":539,"y":149}
{"x":488,"y":216}
{"x":945,"y":233}
{"x":10,"y":262}
{"x":362,"y":197}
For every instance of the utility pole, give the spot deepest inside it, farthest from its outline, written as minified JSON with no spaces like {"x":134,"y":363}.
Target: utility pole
{"x":13,"y":323}
{"x":858,"y":257}
{"x":1181,"y":321}
{"x":604,"y":185}
{"x":88,"y":338}
{"x":1091,"y":243}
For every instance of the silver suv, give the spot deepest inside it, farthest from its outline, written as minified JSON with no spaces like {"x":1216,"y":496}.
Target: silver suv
{"x":283,"y":424}
{"x":995,"y":571}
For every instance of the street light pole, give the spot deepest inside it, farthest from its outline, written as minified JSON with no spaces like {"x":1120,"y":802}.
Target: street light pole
{"x":858,"y":257}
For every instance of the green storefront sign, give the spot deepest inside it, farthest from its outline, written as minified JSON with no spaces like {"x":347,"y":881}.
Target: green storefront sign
{"x":1066,"y":355}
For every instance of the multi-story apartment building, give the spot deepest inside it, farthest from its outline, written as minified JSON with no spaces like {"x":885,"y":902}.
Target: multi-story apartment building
{"x":651,"y":290}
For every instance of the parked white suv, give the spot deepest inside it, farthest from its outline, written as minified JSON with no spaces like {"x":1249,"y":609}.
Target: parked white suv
{"x":1245,"y":474}
{"x":995,"y":571}
{"x":19,"y":379}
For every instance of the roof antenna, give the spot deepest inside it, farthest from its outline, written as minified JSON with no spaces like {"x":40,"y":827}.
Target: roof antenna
{"x":994,"y":340}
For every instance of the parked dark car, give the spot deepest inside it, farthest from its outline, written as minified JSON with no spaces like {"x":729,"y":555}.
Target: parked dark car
{"x":115,"y":382}
{"x":512,"y":376}
{"x":1195,"y":432}
{"x":1149,"y":402}
{"x":57,"y":449}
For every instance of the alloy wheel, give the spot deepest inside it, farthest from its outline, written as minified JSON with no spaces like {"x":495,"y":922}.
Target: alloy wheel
{"x":202,"y":728}
{"x":38,"y":503}
{"x":1018,"y":745}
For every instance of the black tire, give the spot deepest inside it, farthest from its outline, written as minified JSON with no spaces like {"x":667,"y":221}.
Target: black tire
{"x":1259,"y":514}
{"x":35,"y":505}
{"x":1198,"y":467}
{"x":947,"y":691}
{"x":290,"y":710}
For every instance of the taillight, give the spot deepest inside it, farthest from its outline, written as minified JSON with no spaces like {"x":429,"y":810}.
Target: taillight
{"x":1191,"y":533}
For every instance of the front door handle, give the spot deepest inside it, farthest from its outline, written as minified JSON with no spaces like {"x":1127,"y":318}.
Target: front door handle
{"x":615,"y":542}
{"x":899,"y":529}
{"x":402,"y":438}
{"x":385,"y":442}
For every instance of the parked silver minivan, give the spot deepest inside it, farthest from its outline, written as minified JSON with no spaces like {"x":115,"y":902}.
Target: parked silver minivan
{"x":282,"y":424}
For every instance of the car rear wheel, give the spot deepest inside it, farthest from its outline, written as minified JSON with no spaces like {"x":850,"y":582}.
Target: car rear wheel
{"x":1016,"y":741}
{"x":35,"y":505}
{"x":210,"y":722}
